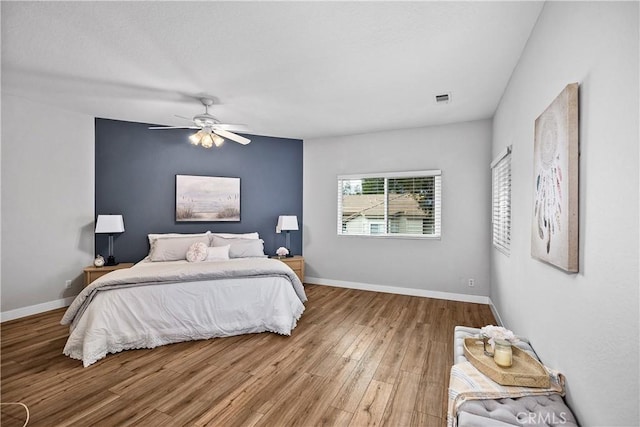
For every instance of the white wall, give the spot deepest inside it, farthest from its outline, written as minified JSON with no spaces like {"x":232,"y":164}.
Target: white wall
{"x":585,"y":324}
{"x":47,"y":204}
{"x":461,"y":151}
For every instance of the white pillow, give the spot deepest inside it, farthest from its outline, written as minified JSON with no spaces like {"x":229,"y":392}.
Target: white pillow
{"x":254,"y":236}
{"x":174,"y":248}
{"x":219,"y":253}
{"x":153,"y":237}
{"x":197,"y":252}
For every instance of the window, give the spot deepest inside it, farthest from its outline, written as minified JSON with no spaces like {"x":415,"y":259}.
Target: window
{"x":403,"y":204}
{"x":501,"y":201}
{"x":376,"y":228}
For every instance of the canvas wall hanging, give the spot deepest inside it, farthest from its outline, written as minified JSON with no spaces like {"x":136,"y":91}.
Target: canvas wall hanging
{"x":554,"y":231}
{"x":207,"y":198}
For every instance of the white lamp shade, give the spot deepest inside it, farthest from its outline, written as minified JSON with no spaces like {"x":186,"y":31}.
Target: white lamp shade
{"x":286,"y":223}
{"x":110,"y":224}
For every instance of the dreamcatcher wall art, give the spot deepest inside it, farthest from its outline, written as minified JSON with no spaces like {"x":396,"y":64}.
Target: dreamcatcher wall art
{"x":554,"y":231}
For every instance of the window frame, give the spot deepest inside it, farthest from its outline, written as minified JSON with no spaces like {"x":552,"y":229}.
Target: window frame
{"x":437,"y":173}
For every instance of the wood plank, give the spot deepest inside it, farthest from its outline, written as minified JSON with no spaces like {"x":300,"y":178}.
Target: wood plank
{"x":354,"y":388}
{"x":254,"y":393}
{"x":346,"y":339}
{"x":109,"y":411}
{"x":438,"y":359}
{"x":417,"y":349}
{"x":293,"y":406}
{"x":360,"y":344}
{"x":421,"y":419}
{"x":400,"y":409}
{"x":12,"y":414}
{"x":81,"y":398}
{"x":153,"y":418}
{"x":427,"y":401}
{"x":334,"y":417}
{"x":389,"y":367}
{"x":336,"y":377}
{"x":208,"y":384}
{"x":371,"y":408}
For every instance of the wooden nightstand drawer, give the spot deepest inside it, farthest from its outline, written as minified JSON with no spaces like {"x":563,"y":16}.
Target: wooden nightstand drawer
{"x":91,"y":273}
{"x":297,"y":265}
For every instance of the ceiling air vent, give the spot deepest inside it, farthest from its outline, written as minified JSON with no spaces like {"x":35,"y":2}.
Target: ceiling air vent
{"x":444,"y":98}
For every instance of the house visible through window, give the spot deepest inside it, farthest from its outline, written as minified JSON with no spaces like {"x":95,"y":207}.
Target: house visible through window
{"x":390,"y":204}
{"x":376,"y":228}
{"x":501,"y":201}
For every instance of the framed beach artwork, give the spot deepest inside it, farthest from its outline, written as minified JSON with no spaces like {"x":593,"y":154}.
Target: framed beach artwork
{"x":554,"y":229}
{"x":207,"y":198}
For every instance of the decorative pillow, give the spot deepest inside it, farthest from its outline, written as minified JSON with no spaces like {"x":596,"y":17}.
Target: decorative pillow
{"x":174,"y":248}
{"x":254,"y":236}
{"x":247,"y":248}
{"x":244,"y":248}
{"x":197,"y":252}
{"x":219,"y":253}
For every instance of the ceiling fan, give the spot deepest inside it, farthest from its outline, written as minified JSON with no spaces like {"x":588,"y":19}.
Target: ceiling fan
{"x":211,"y":132}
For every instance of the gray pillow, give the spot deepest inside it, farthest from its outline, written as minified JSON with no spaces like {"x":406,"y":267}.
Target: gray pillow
{"x":174,"y":248}
{"x":240,"y":248}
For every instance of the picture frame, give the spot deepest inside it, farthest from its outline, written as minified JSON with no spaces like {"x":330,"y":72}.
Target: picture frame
{"x":207,"y":199}
{"x":554,"y":227}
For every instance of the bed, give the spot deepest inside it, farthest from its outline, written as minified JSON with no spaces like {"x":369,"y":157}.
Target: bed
{"x":163,"y":300}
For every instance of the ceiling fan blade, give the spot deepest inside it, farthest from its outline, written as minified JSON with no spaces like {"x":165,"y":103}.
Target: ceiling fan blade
{"x":183,"y":117}
{"x":173,"y":127}
{"x":232,"y":136}
{"x":229,"y":126}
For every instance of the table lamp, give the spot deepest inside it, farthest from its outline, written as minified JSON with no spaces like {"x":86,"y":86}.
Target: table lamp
{"x":110,"y":224}
{"x":287,"y":223}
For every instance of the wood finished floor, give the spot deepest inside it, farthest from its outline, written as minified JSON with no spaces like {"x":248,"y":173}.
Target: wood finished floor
{"x":356,"y":358}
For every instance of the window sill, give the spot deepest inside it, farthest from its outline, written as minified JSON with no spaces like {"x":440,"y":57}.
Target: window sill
{"x":393,"y":236}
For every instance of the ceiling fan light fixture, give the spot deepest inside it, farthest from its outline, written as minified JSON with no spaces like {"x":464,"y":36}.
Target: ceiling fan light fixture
{"x":217,"y":140}
{"x":195,"y":138}
{"x":211,"y":132}
{"x":207,"y":141}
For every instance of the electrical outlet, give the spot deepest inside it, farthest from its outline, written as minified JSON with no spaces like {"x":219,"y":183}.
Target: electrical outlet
{"x":472,"y":283}
{"x":67,"y":284}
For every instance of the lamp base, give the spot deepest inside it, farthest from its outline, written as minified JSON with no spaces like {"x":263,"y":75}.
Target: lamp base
{"x":111,"y":261}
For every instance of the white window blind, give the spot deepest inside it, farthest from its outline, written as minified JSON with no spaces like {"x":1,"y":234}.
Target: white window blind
{"x":501,"y":201}
{"x":402,"y":204}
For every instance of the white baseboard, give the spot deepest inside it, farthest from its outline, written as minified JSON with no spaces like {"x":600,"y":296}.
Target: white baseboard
{"x":478,"y":299}
{"x":35,"y":309}
{"x":494,"y":310}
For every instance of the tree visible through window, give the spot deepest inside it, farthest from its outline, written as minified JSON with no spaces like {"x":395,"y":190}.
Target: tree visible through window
{"x":390,"y":204}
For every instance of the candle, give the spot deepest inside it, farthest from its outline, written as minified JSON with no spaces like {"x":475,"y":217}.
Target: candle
{"x":502,"y":354}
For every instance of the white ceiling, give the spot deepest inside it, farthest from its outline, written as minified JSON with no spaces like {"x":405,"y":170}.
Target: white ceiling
{"x":289,"y":69}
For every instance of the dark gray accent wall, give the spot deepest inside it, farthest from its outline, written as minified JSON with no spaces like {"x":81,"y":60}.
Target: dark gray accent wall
{"x":135,"y":176}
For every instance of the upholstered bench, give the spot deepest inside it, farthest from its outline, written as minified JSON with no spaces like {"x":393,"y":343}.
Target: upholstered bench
{"x":522,"y":411}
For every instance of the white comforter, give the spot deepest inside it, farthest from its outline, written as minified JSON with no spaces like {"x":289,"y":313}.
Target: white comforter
{"x":156,"y":313}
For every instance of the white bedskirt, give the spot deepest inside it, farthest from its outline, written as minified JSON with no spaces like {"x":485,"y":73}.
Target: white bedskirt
{"x":155,"y":315}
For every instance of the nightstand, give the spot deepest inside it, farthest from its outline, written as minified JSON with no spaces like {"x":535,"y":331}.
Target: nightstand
{"x":296,"y":263}
{"x":91,"y":273}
